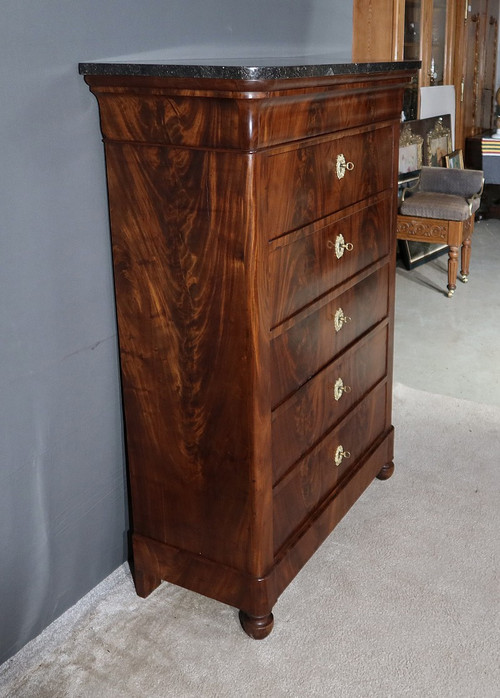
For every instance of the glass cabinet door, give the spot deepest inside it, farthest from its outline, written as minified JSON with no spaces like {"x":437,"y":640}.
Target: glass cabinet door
{"x":427,"y":27}
{"x":436,"y":67}
{"x":412,"y":52}
{"x":413,"y":29}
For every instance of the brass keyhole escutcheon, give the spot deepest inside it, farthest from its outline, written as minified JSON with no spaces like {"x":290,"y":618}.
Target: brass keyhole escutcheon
{"x":340,"y":454}
{"x":340,"y":245}
{"x":339,"y":389}
{"x":342,"y":165}
{"x":340,"y":319}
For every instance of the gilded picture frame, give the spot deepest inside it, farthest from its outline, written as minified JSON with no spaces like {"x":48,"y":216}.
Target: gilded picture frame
{"x":455,"y":160}
{"x":410,"y":150}
{"x":438,"y":144}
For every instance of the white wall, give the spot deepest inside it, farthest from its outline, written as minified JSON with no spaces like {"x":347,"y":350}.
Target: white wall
{"x":63,"y":514}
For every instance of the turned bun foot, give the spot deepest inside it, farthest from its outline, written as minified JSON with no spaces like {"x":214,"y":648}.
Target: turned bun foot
{"x":257,"y":627}
{"x":386,"y":471}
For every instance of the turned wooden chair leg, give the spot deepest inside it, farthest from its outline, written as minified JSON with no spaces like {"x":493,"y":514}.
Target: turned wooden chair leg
{"x":466,"y":250}
{"x":452,"y":269}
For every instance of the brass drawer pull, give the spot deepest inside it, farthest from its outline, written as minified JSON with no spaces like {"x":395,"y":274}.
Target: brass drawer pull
{"x":340,"y":454}
{"x":340,"y":245}
{"x":342,"y":165}
{"x":340,"y":319}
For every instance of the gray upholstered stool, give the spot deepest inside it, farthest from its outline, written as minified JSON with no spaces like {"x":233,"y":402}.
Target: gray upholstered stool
{"x":440,"y":209}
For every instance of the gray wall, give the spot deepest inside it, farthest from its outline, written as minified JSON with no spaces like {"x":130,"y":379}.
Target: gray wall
{"x":63,"y":516}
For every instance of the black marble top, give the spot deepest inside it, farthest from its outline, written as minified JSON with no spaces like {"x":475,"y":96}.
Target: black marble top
{"x":243,"y":69}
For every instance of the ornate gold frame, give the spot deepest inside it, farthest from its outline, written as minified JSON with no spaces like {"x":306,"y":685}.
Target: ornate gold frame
{"x":436,"y":136}
{"x":410,"y":140}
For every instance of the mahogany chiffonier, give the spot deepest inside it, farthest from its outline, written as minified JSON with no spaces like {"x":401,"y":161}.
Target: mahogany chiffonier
{"x":252,"y":212}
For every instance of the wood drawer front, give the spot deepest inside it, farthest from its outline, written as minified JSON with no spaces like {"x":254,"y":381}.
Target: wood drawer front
{"x":302,"y":184}
{"x":302,"y":420}
{"x":315,"y":477}
{"x":304,"y":265}
{"x":316,"y":337}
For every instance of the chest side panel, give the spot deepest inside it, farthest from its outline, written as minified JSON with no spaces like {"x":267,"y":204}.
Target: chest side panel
{"x":181,"y":246}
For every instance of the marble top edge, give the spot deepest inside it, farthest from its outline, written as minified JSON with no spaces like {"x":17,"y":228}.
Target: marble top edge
{"x":261,"y":69}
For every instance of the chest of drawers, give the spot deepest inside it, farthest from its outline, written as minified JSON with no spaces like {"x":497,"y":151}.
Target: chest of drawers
{"x":252,"y":223}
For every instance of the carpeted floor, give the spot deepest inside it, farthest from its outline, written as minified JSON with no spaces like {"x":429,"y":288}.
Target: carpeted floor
{"x":401,"y":600}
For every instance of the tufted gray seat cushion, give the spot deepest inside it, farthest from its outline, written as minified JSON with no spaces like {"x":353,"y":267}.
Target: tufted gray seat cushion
{"x":449,"y":207}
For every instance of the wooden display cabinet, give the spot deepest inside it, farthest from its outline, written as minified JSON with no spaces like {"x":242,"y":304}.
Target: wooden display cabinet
{"x":476,"y":69}
{"x":421,"y":30}
{"x":456,"y":41}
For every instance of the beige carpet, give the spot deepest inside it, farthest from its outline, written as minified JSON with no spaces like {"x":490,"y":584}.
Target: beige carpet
{"x":401,"y":600}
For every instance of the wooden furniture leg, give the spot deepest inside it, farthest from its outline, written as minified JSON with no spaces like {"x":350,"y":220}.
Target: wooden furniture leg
{"x":452,"y":269}
{"x":256,"y":627}
{"x":465,"y":254}
{"x":386,"y":471}
{"x":466,"y":249}
{"x":145,"y":583}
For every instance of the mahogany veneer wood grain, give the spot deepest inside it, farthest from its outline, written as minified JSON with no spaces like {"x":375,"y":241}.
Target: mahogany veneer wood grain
{"x":236,"y":241}
{"x":304,"y":265}
{"x":302,"y":420}
{"x":318,"y":334}
{"x":317,"y":474}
